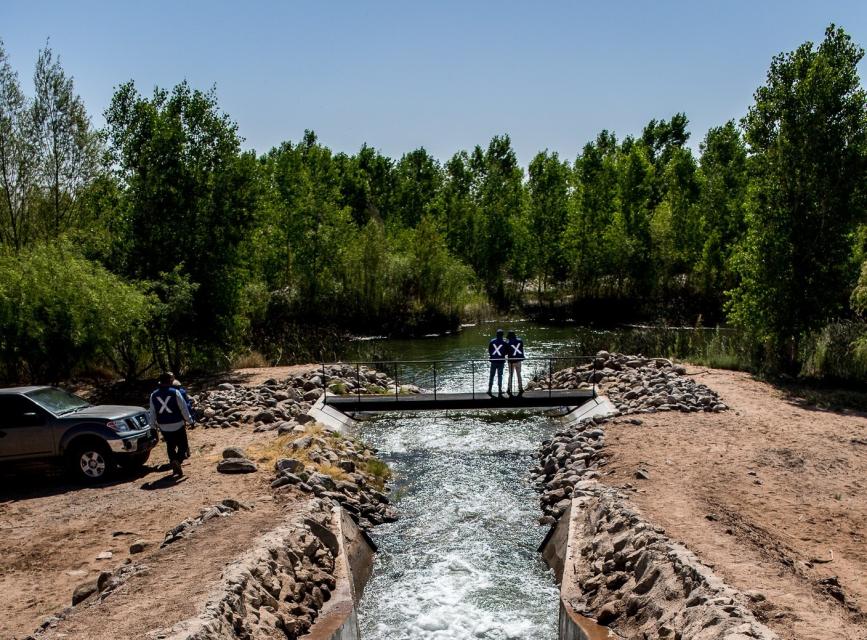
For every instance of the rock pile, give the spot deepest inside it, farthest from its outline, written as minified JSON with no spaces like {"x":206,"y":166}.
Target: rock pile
{"x":275,"y":590}
{"x":338,"y":469}
{"x":635,"y":579}
{"x":283,"y":404}
{"x":636,"y":384}
{"x":220,"y":510}
{"x":568,"y":466}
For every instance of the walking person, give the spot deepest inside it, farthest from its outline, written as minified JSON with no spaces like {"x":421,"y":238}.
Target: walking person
{"x":497,"y":356}
{"x":516,"y":357}
{"x":177,"y":385}
{"x":169,"y":411}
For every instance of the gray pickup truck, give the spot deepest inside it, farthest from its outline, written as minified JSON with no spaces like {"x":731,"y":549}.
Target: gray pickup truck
{"x":47,"y":423}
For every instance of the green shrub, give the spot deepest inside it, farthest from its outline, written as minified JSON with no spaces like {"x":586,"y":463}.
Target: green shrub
{"x":836,"y":352}
{"x":60,"y":312}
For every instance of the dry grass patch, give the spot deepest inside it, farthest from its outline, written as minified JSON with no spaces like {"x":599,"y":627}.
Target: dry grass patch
{"x":281,"y":447}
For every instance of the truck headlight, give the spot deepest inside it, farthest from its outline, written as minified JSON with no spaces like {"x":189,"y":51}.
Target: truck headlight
{"x":118,"y":425}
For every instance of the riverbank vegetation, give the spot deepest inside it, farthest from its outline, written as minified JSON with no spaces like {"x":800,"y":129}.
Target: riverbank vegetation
{"x":158,"y":241}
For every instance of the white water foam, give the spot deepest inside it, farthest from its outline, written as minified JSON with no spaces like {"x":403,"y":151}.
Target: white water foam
{"x":461,"y":563}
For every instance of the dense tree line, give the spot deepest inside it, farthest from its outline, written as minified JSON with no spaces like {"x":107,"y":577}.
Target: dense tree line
{"x":158,"y":241}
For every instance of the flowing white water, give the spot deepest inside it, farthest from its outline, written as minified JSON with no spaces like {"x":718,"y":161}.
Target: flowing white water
{"x":461,"y":562}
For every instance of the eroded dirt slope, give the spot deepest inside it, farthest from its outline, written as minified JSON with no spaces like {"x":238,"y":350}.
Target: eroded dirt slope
{"x":771,"y":493}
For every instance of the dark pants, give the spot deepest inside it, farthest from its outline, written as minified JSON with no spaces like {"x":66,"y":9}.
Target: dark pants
{"x":176,"y":444}
{"x":497,"y":367}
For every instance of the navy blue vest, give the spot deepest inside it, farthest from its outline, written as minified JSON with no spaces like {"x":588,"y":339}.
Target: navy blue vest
{"x":516,"y":349}
{"x":497,"y":349}
{"x":165,"y":403}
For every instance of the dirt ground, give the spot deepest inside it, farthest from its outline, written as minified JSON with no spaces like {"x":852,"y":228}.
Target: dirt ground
{"x":772,"y":494}
{"x":53,"y":530}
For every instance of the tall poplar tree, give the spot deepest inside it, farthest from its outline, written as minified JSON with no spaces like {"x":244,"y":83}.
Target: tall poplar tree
{"x":807,"y":132}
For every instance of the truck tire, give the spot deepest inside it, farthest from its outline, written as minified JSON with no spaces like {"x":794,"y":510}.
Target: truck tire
{"x":90,"y":461}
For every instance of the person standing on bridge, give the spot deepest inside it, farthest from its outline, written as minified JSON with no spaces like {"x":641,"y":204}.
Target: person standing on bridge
{"x":497,"y":355}
{"x":515,"y":353}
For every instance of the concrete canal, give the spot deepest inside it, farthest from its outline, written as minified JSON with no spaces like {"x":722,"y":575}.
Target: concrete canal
{"x":462,"y":562}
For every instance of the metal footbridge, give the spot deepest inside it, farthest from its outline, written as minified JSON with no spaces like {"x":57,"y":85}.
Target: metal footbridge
{"x":461,"y":401}
{"x":416,"y":385}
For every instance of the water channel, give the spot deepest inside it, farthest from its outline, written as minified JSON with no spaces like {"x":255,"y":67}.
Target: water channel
{"x":462,"y":562}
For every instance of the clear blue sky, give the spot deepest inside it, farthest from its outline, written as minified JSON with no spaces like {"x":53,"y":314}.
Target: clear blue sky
{"x":444,"y":74}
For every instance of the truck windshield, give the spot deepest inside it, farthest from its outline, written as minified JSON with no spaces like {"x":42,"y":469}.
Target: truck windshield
{"x":57,"y":401}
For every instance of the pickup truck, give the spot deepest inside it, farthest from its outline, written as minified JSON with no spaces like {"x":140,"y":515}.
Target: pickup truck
{"x":48,"y":423}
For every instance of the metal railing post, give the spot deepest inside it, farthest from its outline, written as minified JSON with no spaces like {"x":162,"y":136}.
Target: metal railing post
{"x":550,"y":376}
{"x":358,"y":381}
{"x":396,"y":374}
{"x":435,"y":380}
{"x":324,"y":385}
{"x":473,"y":365}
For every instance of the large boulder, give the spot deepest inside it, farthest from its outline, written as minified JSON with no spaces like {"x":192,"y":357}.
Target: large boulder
{"x":233,"y":452}
{"x":266,"y":417}
{"x":288,"y":465}
{"x":236,"y":465}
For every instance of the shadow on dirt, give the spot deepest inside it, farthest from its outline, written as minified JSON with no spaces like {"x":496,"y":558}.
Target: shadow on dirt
{"x":39,"y":480}
{"x":164,"y":482}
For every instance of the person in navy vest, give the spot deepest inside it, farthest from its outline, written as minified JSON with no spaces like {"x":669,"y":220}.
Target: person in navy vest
{"x":177,"y":385}
{"x":515,"y":354}
{"x":169,"y":411}
{"x":497,"y":357}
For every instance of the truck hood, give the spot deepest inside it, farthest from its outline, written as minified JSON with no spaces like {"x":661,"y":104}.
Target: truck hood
{"x":105,"y":411}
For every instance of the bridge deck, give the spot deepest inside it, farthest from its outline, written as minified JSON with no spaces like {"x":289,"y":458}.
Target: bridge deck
{"x":454,"y":401}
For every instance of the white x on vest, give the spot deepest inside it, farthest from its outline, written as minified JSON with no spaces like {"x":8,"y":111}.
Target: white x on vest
{"x":516,"y":350}
{"x":497,"y":348}
{"x":164,"y":405}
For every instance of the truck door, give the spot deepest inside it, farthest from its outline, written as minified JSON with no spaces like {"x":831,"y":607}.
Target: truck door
{"x":25,"y":429}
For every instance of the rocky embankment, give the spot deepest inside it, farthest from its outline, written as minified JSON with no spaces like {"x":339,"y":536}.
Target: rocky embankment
{"x":631,"y":576}
{"x":276,"y":589}
{"x":636,"y":384}
{"x":282,"y":405}
{"x":336,"y":468}
{"x":310,"y":458}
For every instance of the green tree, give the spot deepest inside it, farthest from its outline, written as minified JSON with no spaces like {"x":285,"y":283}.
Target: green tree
{"x":190,"y":195}
{"x":675,"y":225}
{"x":722,"y":178}
{"x":457,"y":208}
{"x":418,"y":179}
{"x":548,"y":211}
{"x":594,"y":201}
{"x":69,"y":150}
{"x":807,"y":132}
{"x":366,"y":184}
{"x":499,"y":196}
{"x":636,"y":186}
{"x":18,"y":158}
{"x":313,"y":226}
{"x":49,"y":154}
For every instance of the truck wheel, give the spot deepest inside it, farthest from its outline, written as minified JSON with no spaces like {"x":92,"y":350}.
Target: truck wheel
{"x":90,"y":462}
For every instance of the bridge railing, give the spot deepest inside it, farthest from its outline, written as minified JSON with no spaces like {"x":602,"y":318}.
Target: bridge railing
{"x":464,"y":376}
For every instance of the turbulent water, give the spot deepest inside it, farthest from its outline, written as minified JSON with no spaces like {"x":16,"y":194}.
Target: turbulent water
{"x":461,"y":562}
